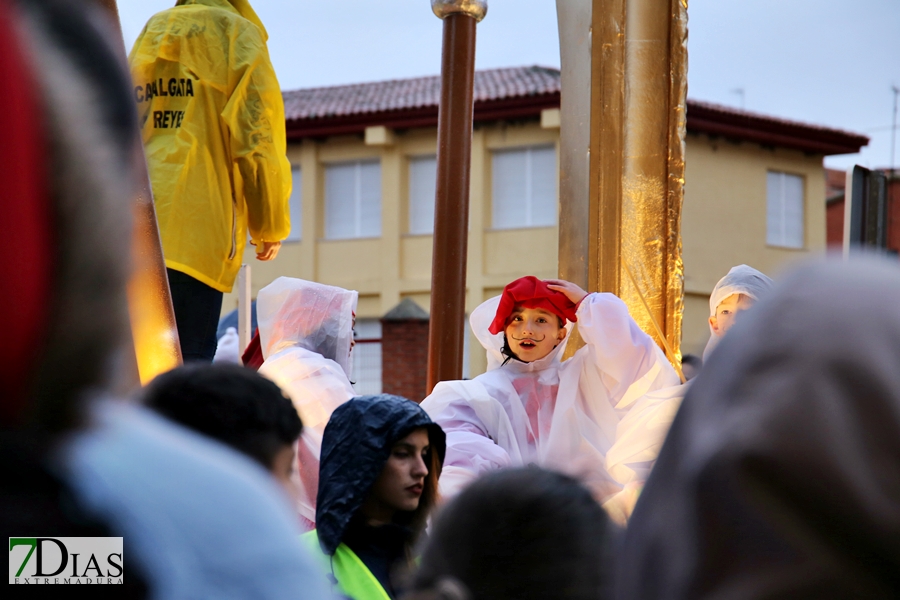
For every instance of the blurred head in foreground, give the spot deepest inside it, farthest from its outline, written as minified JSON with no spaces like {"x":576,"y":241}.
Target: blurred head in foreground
{"x":780,"y":476}
{"x":65,"y":161}
{"x":235,"y":406}
{"x":518,"y":534}
{"x":76,"y":462}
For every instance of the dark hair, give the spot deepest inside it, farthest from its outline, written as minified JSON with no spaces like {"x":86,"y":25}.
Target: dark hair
{"x":520,"y":534}
{"x":693,"y":360}
{"x":417,"y":519}
{"x":507,"y":352}
{"x":230,"y":403}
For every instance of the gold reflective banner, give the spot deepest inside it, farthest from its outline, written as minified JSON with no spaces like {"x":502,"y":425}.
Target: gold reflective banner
{"x":153,"y":331}
{"x":624,"y":84}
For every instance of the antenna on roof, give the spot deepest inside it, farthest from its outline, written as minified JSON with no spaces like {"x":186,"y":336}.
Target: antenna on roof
{"x":740,"y":92}
{"x":896,"y":91}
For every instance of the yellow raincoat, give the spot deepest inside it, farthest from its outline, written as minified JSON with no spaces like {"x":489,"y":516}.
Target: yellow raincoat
{"x":212,"y":121}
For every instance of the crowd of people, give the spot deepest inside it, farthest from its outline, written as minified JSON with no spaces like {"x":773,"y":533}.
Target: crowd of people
{"x":772,"y":472}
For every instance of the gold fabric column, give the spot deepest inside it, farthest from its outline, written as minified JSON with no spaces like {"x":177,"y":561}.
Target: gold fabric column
{"x":624,"y":80}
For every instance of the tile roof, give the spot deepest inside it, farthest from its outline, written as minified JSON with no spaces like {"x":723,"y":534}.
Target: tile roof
{"x":420,"y":92}
{"x":746,"y":115}
{"x":522,"y":92}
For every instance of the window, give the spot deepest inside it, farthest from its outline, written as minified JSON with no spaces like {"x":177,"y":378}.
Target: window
{"x":524,"y":187}
{"x":366,"y":371}
{"x":353,"y":200}
{"x":296,"y":204}
{"x":784,"y":210}
{"x":422,"y":182}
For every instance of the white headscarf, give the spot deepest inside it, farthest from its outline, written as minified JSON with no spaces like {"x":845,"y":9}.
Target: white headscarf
{"x":314,"y":316}
{"x":741,"y":279}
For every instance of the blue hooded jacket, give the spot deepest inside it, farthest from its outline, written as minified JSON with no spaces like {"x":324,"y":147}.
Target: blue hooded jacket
{"x":356,"y":445}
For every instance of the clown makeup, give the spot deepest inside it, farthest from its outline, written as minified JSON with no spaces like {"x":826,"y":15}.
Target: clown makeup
{"x":532,"y":333}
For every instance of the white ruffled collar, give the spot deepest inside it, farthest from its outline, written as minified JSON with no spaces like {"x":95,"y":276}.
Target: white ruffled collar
{"x":551,"y":361}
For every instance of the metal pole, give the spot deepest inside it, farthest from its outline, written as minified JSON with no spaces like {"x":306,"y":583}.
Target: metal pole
{"x":245,"y":308}
{"x":451,"y":210}
{"x":153,"y":330}
{"x":896,"y":91}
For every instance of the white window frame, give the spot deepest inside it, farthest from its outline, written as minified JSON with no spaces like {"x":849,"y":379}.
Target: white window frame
{"x":777,"y":232}
{"x":357,"y":201}
{"x":528,"y":200}
{"x":371,"y":380}
{"x":413,"y":206}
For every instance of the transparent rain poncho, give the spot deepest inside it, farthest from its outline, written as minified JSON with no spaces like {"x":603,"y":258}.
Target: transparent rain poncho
{"x":305,"y":331}
{"x":641,"y":433}
{"x":562,"y":415}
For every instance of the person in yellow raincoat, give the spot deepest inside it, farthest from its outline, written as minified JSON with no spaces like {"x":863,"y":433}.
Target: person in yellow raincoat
{"x":212,"y":120}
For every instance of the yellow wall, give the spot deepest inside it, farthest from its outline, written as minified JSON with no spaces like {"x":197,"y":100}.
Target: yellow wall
{"x":724,"y":224}
{"x":398,"y":265}
{"x":724,"y":219}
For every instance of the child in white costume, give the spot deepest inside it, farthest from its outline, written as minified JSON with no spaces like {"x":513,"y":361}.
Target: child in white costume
{"x":641,"y":432}
{"x":739,"y":290}
{"x":535,"y":409}
{"x":306,"y":335}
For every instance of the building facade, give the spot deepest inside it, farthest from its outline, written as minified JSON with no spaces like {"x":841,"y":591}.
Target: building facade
{"x":364,"y":181}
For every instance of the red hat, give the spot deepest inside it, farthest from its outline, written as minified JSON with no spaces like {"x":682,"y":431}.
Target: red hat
{"x":531,"y":292}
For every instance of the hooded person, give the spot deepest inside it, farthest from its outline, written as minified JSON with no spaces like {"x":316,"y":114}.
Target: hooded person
{"x":306,"y":335}
{"x":780,"y":477}
{"x":739,"y":290}
{"x":381,"y":459}
{"x":529,"y":407}
{"x":640,"y":434}
{"x":212,"y":119}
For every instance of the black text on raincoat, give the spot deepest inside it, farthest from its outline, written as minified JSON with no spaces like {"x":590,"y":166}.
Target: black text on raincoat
{"x":212,"y":120}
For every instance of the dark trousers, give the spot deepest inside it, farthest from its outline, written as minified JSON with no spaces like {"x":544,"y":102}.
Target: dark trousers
{"x":197,"y":307}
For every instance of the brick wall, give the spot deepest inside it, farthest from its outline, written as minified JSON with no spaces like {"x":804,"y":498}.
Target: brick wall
{"x":404,"y":358}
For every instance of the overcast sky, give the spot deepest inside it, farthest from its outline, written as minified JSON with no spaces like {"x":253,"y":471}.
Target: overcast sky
{"x":827,"y":62}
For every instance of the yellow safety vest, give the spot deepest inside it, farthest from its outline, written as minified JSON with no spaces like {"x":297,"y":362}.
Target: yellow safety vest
{"x":354,"y":579}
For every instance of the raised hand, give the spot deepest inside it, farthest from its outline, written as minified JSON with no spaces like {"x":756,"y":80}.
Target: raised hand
{"x":572,"y":291}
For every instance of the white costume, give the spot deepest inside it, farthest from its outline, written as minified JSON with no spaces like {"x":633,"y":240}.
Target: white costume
{"x":643,"y":430}
{"x":305,"y":332}
{"x":558,"y":415}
